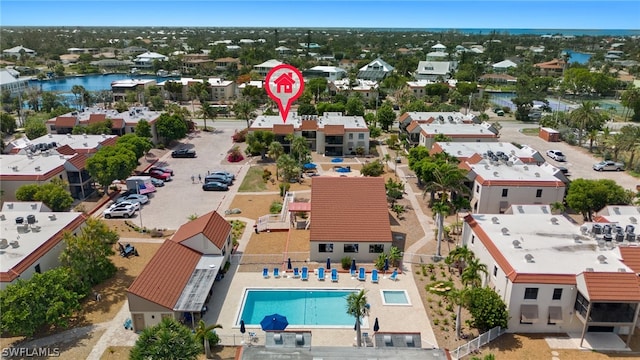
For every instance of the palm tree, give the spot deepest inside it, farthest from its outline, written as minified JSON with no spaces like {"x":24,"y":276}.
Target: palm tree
{"x":207,"y":112}
{"x":275,"y":151}
{"x":168,"y":340}
{"x":458,"y":297}
{"x":299,"y":148}
{"x":557,"y":207}
{"x":394,"y":256}
{"x":441,"y":209}
{"x":462,"y":255}
{"x":197,"y":90}
{"x":472,"y":274}
{"x":586,"y":118}
{"x":202,"y":333}
{"x":244,"y":110}
{"x":357,"y":307}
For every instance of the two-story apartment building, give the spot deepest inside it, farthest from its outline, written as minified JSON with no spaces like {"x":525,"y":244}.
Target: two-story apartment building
{"x":194,"y":256}
{"x":32,"y":239}
{"x":498,"y":184}
{"x":331,"y":134}
{"x":358,"y":227}
{"x":120,"y":88}
{"x":367,"y":89}
{"x":556,"y":276}
{"x":454,"y":132}
{"x":193,"y":63}
{"x":465,"y":151}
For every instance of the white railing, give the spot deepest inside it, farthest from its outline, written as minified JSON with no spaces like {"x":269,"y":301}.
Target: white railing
{"x":475,"y":344}
{"x":279,"y":221}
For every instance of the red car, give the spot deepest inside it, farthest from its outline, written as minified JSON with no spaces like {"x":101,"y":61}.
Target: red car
{"x":163,"y":169}
{"x":158,"y":174}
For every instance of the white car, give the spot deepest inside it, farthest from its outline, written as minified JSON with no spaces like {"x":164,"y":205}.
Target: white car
{"x":142,"y":199}
{"x":118,"y":210}
{"x":135,"y":204}
{"x":556,"y":155}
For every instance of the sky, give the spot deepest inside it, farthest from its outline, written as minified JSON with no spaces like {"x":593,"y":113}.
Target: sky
{"x":432,"y":14}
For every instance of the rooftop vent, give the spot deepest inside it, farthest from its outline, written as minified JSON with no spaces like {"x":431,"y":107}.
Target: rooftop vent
{"x":505,"y":231}
{"x":526,"y":168}
{"x":633,"y":220}
{"x":537,"y":174}
{"x":487,"y":167}
{"x":69,"y":136}
{"x":529,"y":258}
{"x":495,"y":173}
{"x":31,"y":219}
{"x":52,"y":217}
{"x":37,"y":168}
{"x":602,"y":259}
{"x":408,"y":339}
{"x":584,"y":229}
{"x":50,"y":135}
{"x":554,"y":220}
{"x":495,"y":220}
{"x":14,"y":168}
{"x":622,"y":270}
{"x":588,"y":269}
{"x":516,"y":244}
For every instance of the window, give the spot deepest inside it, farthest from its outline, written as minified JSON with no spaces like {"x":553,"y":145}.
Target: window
{"x":477,"y":188}
{"x":37,"y":269}
{"x":361,"y":136}
{"x":505,"y":192}
{"x":539,"y":193}
{"x":495,"y":271}
{"x":376,"y":248}
{"x":350,"y":248}
{"x":325,"y":248}
{"x":350,"y":136}
{"x":473,"y":238}
{"x":530,"y":293}
{"x":557,"y":294}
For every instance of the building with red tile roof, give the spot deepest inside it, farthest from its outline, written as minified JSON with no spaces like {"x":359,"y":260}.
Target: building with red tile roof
{"x":178,"y":281}
{"x":555,"y":275}
{"x":349,"y":217}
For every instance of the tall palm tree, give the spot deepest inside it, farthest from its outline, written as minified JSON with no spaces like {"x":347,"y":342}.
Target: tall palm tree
{"x":586,"y":118}
{"x":462,"y":255}
{"x":207,"y":112}
{"x":616,"y":143}
{"x":441,"y":209}
{"x":299,"y":148}
{"x":357,"y":307}
{"x":458,"y":297}
{"x":275,"y":151}
{"x":202,"y":333}
{"x":244,"y":110}
{"x":197,"y":90}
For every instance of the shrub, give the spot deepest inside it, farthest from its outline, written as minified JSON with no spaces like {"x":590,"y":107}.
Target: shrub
{"x":155,"y":233}
{"x":346,"y":262}
{"x":235,"y":155}
{"x":266,"y":175}
{"x":284,"y":187}
{"x":160,"y":146}
{"x":240,"y":136}
{"x":275,"y":207}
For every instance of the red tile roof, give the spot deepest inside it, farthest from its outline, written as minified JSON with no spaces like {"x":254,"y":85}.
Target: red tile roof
{"x":167,"y":273}
{"x":334,"y":130}
{"x":612,"y":286}
{"x":66,"y":121}
{"x":117,"y":123}
{"x":109,"y":141}
{"x":65,"y":150}
{"x":349,"y":209}
{"x":283,"y":129}
{"x":78,"y":161}
{"x":33,"y":257}
{"x":555,"y":64}
{"x":95,"y":118}
{"x":412,"y":126}
{"x":309,"y":125}
{"x":211,"y":225}
{"x":631,"y":257}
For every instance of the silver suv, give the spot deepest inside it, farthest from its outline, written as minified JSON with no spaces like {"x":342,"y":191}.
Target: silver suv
{"x":608,"y":165}
{"x":119,"y":210}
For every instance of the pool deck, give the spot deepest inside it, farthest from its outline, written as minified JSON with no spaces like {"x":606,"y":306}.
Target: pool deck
{"x":228,"y":295}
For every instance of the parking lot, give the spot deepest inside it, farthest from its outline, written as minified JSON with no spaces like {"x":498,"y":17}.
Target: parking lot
{"x":579,"y":161}
{"x":171,"y":205}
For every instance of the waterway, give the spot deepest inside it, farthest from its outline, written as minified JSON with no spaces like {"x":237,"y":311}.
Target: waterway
{"x":97,"y":82}
{"x":577,"y":57}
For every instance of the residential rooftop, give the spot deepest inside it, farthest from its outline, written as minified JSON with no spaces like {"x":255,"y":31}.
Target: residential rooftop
{"x":463,"y":150}
{"x":81,"y":143}
{"x":46,"y":232}
{"x":264,"y":122}
{"x":457,"y":129}
{"x":497,"y":173}
{"x":39,"y":167}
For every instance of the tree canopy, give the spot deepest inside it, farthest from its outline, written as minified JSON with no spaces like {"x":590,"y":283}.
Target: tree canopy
{"x":487,"y":309}
{"x":169,"y":340}
{"x":111,"y":163}
{"x":143,"y":129}
{"x":258,"y":142}
{"x":53,"y":194}
{"x":140,"y":145}
{"x":171,"y":127}
{"x":589,"y":196}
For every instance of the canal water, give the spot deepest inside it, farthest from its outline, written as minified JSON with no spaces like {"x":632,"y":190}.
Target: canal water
{"x":89,"y":82}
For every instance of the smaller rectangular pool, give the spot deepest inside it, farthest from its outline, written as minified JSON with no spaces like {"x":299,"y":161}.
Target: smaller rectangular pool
{"x":395,"y":297}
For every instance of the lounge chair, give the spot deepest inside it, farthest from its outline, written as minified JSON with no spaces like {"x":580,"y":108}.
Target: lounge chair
{"x":276,"y":273}
{"x":362,"y":275}
{"x":321,"y":273}
{"x":353,"y":273}
{"x":374,"y":276}
{"x":296,"y":273}
{"x":394,"y":276}
{"x":334,"y":275}
{"x":265,"y":273}
{"x":305,"y":273}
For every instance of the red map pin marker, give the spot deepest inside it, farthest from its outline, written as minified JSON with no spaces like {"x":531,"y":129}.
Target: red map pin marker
{"x":284,"y":85}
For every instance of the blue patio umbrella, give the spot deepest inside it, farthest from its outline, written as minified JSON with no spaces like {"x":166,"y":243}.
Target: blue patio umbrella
{"x":336,"y":160}
{"x":308,"y":166}
{"x":242,"y":328}
{"x":274,"y":322}
{"x":376,"y":326}
{"x":386,"y":264}
{"x":353,"y":265}
{"x":289,"y":264}
{"x":328,"y":263}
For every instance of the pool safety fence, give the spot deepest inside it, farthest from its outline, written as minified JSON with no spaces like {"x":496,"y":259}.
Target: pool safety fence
{"x":474,"y":345}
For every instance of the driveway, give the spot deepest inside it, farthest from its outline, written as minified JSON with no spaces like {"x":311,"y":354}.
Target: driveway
{"x":579,"y":161}
{"x":171,"y":205}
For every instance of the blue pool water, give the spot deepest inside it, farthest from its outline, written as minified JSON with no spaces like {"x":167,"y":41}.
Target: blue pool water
{"x":302,"y":307}
{"x":577,"y":57}
{"x":89,"y":82}
{"x":395,"y":297}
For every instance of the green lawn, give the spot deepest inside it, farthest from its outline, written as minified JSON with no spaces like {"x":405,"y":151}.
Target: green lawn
{"x":253,"y":180}
{"x":531,"y":131}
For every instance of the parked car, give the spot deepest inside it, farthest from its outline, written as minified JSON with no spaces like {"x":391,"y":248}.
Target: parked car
{"x":223,"y":172}
{"x":136,"y":204}
{"x":218,"y":178}
{"x":163,"y":169}
{"x":157,"y":182}
{"x":142,"y":199}
{"x":608,"y":165}
{"x":556,"y":155}
{"x":215,"y":186}
{"x":183,"y":153}
{"x":157,"y":174}
{"x":563,"y":170}
{"x":119,"y":210}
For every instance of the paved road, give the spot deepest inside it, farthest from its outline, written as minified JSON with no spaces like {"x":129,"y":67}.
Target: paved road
{"x":579,"y":160}
{"x":172,"y":204}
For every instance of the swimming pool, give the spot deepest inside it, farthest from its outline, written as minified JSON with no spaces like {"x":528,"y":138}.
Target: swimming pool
{"x":302,"y":307}
{"x":395,"y":297}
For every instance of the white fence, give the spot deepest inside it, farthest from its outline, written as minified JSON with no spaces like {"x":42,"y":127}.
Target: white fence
{"x":475,"y":344}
